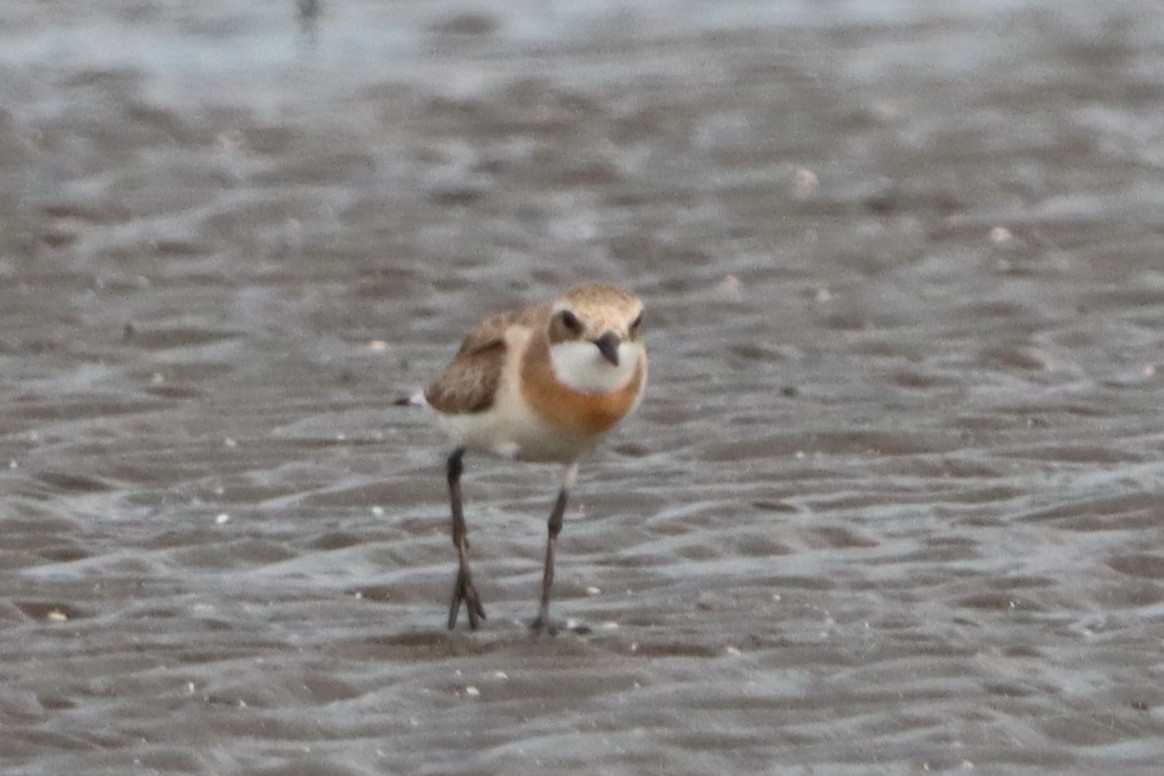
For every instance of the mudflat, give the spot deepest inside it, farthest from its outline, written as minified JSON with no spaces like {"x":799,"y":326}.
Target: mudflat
{"x":892,"y":503}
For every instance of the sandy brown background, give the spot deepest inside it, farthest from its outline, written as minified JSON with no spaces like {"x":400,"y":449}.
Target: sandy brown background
{"x":892,"y":504}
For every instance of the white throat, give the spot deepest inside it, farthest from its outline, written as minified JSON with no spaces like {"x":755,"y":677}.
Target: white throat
{"x":580,"y":366}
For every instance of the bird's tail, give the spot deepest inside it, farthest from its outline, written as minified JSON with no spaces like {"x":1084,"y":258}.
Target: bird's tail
{"x":415,"y":400}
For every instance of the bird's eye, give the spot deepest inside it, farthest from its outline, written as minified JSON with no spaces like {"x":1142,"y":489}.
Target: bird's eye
{"x":634,"y":327}
{"x":570,"y":321}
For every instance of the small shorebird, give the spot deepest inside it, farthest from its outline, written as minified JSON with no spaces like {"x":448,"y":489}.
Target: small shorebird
{"x":541,"y":384}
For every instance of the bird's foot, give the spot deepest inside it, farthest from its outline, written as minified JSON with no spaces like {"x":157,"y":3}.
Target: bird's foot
{"x":465,"y":591}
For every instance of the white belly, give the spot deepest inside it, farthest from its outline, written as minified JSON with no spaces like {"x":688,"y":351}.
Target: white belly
{"x":514,"y":433}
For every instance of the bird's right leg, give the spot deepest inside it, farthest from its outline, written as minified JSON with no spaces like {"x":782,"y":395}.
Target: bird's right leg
{"x":463,"y":589}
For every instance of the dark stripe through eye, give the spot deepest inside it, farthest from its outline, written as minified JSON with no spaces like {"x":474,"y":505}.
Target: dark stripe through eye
{"x":570,"y":321}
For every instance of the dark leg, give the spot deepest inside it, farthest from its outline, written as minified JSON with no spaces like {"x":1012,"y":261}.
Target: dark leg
{"x":543,"y":621}
{"x":463,"y":589}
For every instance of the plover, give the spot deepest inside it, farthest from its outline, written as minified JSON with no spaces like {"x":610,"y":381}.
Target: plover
{"x":540,"y":384}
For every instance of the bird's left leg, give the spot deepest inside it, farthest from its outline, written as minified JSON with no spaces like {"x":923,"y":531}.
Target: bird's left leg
{"x":554,"y":526}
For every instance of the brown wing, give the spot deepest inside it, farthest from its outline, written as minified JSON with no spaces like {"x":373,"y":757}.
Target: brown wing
{"x":470,"y":381}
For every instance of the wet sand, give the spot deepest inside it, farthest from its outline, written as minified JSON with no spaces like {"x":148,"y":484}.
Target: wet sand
{"x":892,"y":504}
